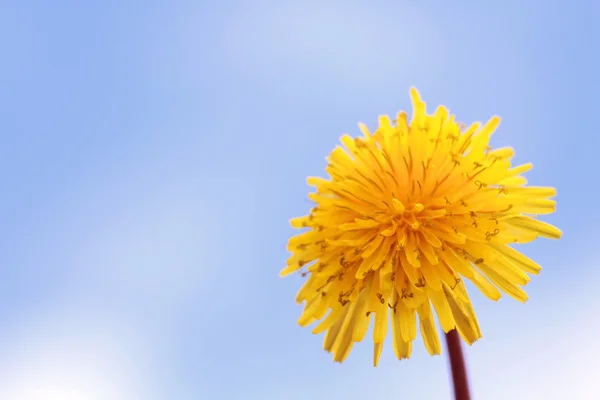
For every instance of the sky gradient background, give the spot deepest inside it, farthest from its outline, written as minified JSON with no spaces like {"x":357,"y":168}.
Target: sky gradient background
{"x":153,"y":152}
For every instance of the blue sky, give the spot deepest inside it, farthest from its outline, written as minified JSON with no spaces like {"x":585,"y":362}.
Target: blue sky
{"x":152,"y":154}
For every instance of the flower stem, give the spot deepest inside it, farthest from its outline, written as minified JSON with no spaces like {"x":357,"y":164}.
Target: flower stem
{"x":457,"y":366}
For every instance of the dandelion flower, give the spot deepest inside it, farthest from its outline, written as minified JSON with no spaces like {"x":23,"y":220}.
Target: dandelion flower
{"x":407,"y":214}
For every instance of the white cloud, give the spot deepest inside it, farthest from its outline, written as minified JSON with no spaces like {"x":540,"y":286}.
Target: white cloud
{"x":334,"y":41}
{"x":554,"y":354}
{"x":550,"y":364}
{"x":62,"y":356}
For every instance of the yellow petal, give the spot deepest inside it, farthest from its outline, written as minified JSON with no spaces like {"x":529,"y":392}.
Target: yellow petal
{"x":407,"y":320}
{"x":333,"y":317}
{"x":381,"y":324}
{"x":363,"y":316}
{"x":442,"y":309}
{"x":429,"y":330}
{"x":526,"y":264}
{"x":533,"y":225}
{"x":317,"y":306}
{"x":431,"y":276}
{"x":343,"y":343}
{"x":377,"y":348}
{"x":402,"y":347}
{"x":507,"y":287}
{"x":464,"y":324}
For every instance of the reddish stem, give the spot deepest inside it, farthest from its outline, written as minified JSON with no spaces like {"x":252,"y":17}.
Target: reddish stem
{"x":457,"y":366}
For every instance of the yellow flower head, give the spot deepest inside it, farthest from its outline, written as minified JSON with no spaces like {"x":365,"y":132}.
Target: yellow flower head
{"x":408,"y":213}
